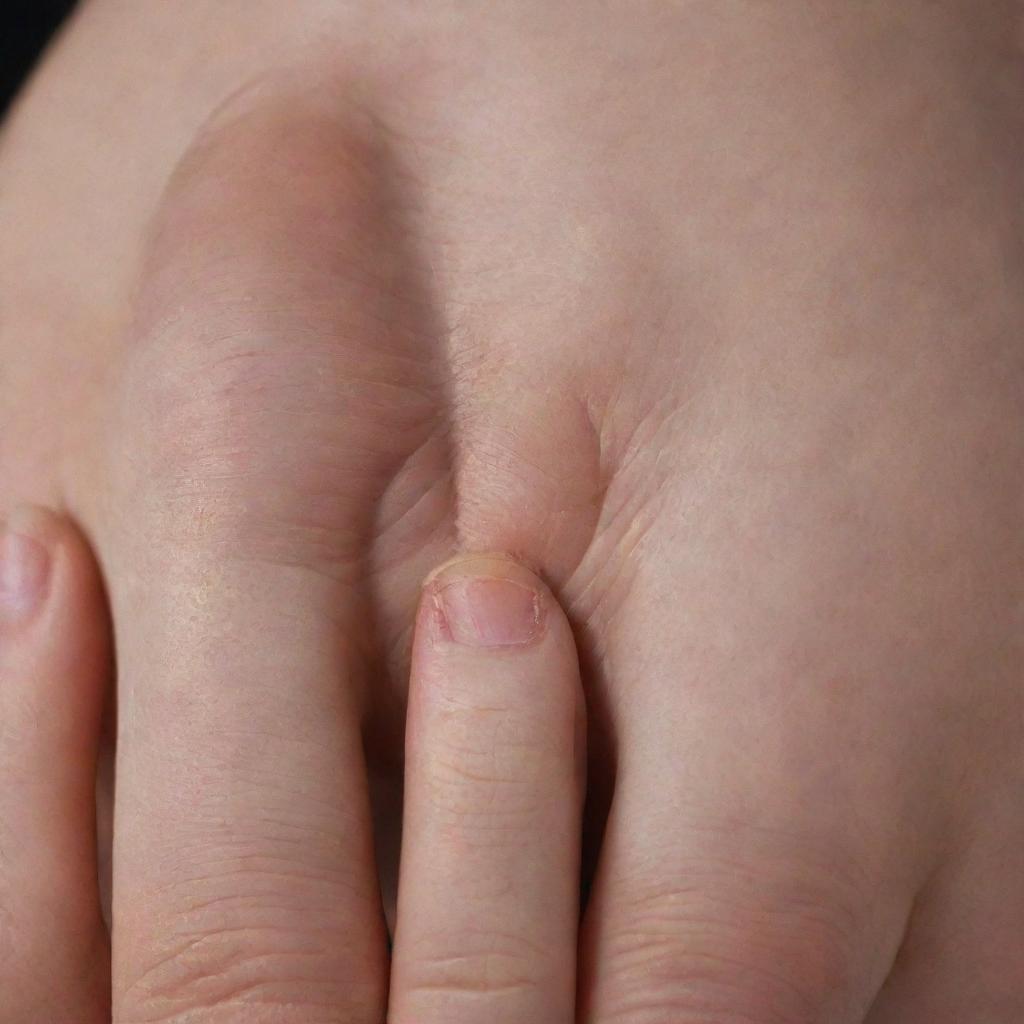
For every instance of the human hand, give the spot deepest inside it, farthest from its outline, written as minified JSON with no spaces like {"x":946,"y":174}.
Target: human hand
{"x":695,"y":383}
{"x":493,"y":797}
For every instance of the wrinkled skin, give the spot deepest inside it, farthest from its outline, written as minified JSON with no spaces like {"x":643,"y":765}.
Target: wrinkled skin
{"x":712,"y":313}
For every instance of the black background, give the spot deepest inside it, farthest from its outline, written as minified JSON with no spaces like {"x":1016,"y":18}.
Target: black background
{"x":25,"y":27}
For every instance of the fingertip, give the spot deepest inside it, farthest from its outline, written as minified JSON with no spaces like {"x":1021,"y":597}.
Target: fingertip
{"x":490,"y":626}
{"x":26,"y":561}
{"x":35,"y":544}
{"x":53,"y":621}
{"x":489,"y":600}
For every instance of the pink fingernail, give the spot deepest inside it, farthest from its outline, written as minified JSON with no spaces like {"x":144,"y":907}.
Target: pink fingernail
{"x":24,"y":575}
{"x":490,"y":612}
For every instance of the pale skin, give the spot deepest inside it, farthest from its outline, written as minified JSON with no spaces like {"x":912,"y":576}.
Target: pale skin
{"x":709,"y":314}
{"x":493,"y":800}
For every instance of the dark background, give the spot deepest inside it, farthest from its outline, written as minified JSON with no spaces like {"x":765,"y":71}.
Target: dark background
{"x":25,"y":28}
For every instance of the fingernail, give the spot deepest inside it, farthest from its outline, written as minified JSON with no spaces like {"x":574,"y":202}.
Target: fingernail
{"x":490,"y":611}
{"x":24,"y":572}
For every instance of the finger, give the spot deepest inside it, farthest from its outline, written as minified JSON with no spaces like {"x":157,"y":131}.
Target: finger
{"x":488,"y":897}
{"x":275,"y":397}
{"x":727,"y":891}
{"x":54,"y":663}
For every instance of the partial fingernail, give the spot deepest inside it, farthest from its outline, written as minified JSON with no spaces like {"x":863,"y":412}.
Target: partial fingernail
{"x":24,"y":568}
{"x":489,"y":610}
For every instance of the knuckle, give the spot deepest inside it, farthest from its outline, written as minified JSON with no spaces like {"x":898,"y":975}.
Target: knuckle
{"x":655,"y":981}
{"x":231,"y":308}
{"x":472,"y":967}
{"x":278,"y":175}
{"x":276,"y":375}
{"x":687,"y":954}
{"x":264,"y":971}
{"x":254,"y":929}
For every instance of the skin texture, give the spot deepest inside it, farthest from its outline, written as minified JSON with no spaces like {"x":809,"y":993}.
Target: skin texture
{"x":495,"y":786}
{"x":489,"y":903}
{"x":54,"y":663}
{"x":709,"y":313}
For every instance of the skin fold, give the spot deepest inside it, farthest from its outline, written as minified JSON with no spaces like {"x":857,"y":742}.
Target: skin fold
{"x":708,"y":313}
